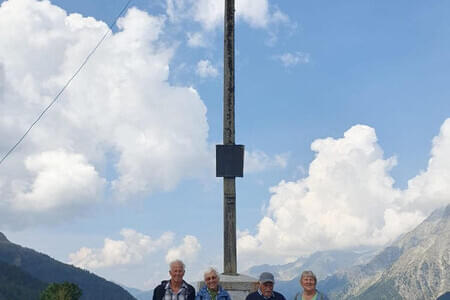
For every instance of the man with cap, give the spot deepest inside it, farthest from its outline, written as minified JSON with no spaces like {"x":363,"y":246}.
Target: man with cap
{"x":265,"y":290}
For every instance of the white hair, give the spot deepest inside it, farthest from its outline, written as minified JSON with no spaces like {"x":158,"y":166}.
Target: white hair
{"x":176,"y":262}
{"x":211,"y":270}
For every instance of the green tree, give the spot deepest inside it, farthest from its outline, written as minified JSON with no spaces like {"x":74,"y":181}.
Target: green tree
{"x":61,"y":291}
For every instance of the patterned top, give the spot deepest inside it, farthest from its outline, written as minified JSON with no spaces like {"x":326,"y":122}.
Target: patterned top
{"x":180,"y":295}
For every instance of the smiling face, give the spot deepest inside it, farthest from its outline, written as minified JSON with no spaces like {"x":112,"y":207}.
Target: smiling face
{"x":212,"y":281}
{"x":308,"y":283}
{"x":266,"y":288}
{"x":176,"y":273}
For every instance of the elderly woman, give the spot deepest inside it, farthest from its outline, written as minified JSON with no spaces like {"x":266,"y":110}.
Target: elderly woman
{"x":308,"y":282}
{"x":212,"y":290}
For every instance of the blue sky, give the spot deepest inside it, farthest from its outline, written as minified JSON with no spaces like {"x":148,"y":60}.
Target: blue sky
{"x":342,"y":107}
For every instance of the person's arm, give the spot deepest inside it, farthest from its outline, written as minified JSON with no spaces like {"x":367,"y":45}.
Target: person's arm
{"x":191,"y":295}
{"x":156,"y":293}
{"x":228,"y":296}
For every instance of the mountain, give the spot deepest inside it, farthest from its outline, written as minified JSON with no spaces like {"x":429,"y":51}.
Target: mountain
{"x":323,"y":263}
{"x":48,"y":270}
{"x":16,"y":284}
{"x":416,"y":266}
{"x":138,"y":294}
{"x":281,"y":272}
{"x":146,"y":295}
{"x":3,"y":238}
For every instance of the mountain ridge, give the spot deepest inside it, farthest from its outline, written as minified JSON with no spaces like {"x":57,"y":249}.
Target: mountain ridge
{"x":3,"y":238}
{"x":415,"y":266}
{"x":17,"y":284}
{"x":48,"y":270}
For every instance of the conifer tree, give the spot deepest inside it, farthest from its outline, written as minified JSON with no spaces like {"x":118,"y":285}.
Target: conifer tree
{"x":61,"y":291}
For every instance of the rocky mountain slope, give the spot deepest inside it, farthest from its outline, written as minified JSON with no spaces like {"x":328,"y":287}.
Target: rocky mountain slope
{"x":323,"y":263}
{"x":416,"y":266}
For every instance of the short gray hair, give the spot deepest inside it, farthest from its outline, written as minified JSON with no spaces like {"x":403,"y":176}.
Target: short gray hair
{"x":309,"y":274}
{"x":177,"y":262}
{"x":211,"y":270}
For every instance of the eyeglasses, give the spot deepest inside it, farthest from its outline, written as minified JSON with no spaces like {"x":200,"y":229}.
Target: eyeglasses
{"x":210,"y":278}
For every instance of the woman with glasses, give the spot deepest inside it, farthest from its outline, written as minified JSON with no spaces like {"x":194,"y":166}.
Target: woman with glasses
{"x":212,"y":290}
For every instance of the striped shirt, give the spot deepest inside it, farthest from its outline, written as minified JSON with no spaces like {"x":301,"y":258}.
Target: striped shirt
{"x":180,"y":295}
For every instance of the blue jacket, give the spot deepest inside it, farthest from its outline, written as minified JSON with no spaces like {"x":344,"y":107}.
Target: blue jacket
{"x":204,"y":295}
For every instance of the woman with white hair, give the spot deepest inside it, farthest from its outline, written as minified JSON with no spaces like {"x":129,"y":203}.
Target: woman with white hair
{"x":308,"y":282}
{"x":212,"y":290}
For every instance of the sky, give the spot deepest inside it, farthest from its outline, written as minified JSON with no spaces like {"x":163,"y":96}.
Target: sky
{"x":343,"y":108}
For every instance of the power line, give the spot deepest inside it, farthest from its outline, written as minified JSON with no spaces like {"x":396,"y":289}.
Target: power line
{"x":68,"y":82}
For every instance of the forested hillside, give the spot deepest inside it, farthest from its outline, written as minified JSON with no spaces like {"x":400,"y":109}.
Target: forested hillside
{"x":16,"y":284}
{"x":46,"y":269}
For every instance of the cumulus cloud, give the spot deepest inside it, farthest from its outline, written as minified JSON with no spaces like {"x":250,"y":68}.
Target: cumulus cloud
{"x":293,"y":59}
{"x":347,"y":199}
{"x":59,"y":179}
{"x":431,"y":188}
{"x":206,"y":69}
{"x":187,"y":251}
{"x":132,"y":249}
{"x":257,"y":13}
{"x":119,"y":111}
{"x":258,"y":161}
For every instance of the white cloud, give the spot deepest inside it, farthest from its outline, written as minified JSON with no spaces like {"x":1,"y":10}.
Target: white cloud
{"x":254,"y":12}
{"x":119,"y":111}
{"x":59,"y":179}
{"x":347,"y":200}
{"x":293,"y":59}
{"x":177,"y":9}
{"x":206,"y":69}
{"x":258,"y":161}
{"x":132,"y":249}
{"x":431,"y":188}
{"x":210,"y":14}
{"x":196,"y":39}
{"x":187,"y":251}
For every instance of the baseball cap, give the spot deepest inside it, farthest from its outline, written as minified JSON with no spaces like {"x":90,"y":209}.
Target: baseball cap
{"x":266,"y":277}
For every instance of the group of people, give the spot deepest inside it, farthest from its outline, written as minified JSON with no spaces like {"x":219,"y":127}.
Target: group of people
{"x":177,"y":289}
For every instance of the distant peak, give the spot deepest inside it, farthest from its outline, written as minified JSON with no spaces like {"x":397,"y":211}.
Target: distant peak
{"x":3,"y":238}
{"x":439,"y":213}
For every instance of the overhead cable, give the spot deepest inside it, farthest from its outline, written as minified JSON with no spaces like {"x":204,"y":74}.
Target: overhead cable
{"x":110,"y":28}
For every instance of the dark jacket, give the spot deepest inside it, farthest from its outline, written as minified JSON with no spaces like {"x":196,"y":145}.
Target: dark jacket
{"x":160,"y":291}
{"x":257,"y":296}
{"x":204,"y":295}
